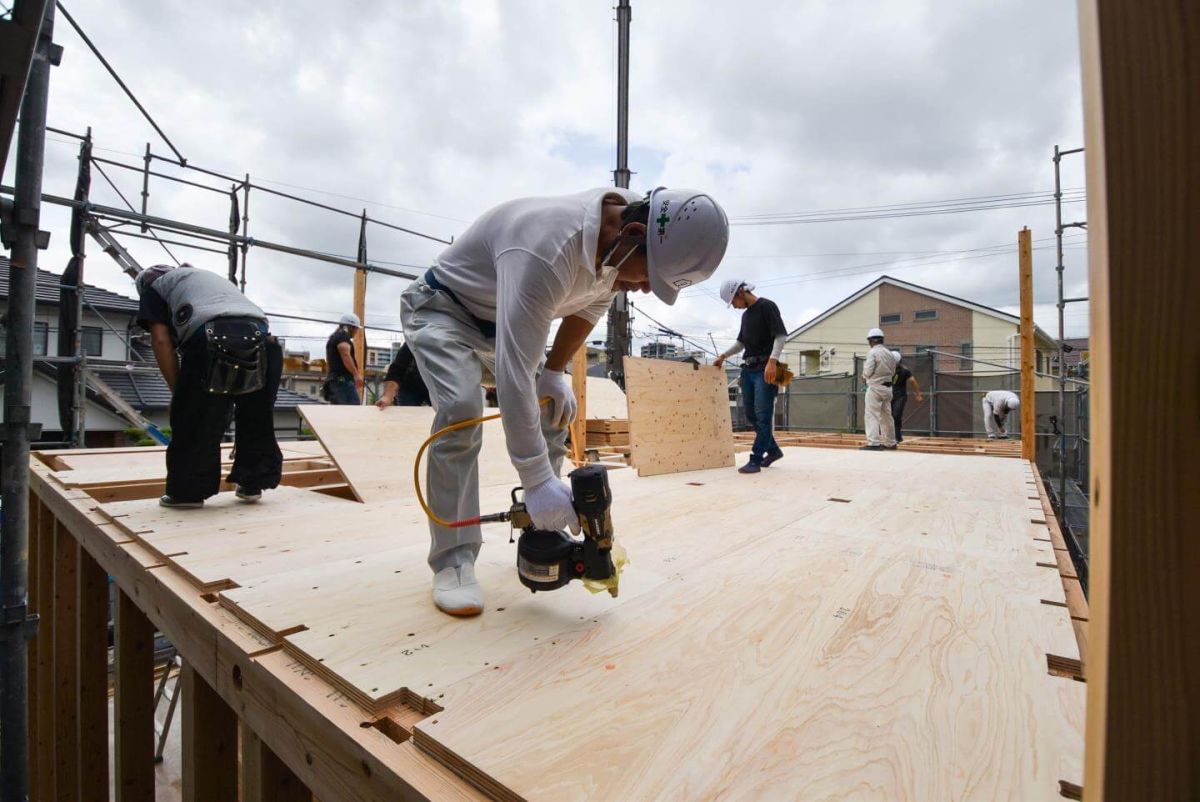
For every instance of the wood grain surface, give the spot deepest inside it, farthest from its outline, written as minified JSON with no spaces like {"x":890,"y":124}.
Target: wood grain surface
{"x":678,"y":416}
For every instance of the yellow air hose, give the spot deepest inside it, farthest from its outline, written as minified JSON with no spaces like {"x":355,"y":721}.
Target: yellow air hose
{"x":453,"y":427}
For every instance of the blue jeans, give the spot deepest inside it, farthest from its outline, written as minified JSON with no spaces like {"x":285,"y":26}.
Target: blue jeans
{"x":343,"y":391}
{"x":758,"y":398}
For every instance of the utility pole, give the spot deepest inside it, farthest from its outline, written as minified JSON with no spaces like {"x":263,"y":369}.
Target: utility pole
{"x":619,"y":339}
{"x":17,"y":625}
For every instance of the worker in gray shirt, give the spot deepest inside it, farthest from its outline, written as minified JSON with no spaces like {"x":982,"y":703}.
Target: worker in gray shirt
{"x":878,"y":370}
{"x":215,"y":351}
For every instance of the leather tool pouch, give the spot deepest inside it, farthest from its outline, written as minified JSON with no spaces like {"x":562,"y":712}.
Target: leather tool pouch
{"x":237,"y":356}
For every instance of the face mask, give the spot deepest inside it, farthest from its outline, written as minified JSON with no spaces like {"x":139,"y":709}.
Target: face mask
{"x":609,"y":272}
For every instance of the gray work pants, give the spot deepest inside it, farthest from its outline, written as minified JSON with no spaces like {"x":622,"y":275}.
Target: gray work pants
{"x":877,"y":416}
{"x":450,"y":352}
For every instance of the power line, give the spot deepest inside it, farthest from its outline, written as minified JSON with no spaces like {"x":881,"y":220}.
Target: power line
{"x":911,"y":204}
{"x":914,"y":211}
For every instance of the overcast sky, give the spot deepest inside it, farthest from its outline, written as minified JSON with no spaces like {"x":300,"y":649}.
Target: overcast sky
{"x":428,"y":113}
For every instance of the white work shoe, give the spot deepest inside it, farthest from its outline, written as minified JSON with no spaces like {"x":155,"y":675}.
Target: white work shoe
{"x":456,"y":592}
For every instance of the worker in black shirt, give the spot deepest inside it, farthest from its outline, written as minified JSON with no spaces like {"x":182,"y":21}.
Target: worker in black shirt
{"x":226,"y":356}
{"x":345,"y":382}
{"x":403,"y":384}
{"x":901,"y":380}
{"x":761,"y":337}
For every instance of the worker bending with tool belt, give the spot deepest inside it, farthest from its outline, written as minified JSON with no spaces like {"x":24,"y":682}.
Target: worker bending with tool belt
{"x":215,"y":351}
{"x":878,"y":370}
{"x":761,"y":338}
{"x":491,"y":298}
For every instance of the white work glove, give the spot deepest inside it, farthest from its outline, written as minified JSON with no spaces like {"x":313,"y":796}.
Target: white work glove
{"x":563,"y":406}
{"x":549,"y":505}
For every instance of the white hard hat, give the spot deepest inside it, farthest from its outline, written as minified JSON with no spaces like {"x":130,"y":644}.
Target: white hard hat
{"x":686,"y":239}
{"x":875,"y":333}
{"x":350,"y":319}
{"x":897,"y":355}
{"x":729,"y":288}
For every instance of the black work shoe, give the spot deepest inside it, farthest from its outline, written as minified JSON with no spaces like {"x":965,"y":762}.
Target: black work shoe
{"x":167,"y":501}
{"x":772,"y":457}
{"x":870,"y":448}
{"x":750,"y":467}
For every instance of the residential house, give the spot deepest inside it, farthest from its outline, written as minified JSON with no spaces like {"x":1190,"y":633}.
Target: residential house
{"x":915,"y":320}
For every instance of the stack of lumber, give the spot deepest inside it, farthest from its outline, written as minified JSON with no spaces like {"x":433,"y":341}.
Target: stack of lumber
{"x":924,"y":445}
{"x":607,"y":432}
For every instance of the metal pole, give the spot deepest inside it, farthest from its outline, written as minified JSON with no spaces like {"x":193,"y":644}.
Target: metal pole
{"x":146,"y":186}
{"x":245,"y":228}
{"x":80,"y":434}
{"x":1062,"y":384}
{"x":18,"y":387}
{"x":233,"y":230}
{"x":620,"y":340}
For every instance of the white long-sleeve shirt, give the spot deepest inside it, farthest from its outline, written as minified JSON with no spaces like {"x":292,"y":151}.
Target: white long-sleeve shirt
{"x":879,"y":366}
{"x":1003,"y":402}
{"x":525,"y":264}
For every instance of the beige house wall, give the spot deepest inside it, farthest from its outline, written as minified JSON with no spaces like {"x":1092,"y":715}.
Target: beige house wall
{"x":843,"y":333}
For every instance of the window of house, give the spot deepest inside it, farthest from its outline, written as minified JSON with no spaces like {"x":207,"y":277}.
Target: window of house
{"x":41,"y":338}
{"x":967,"y":350}
{"x":886,"y":319}
{"x":1039,"y":362}
{"x":925,"y":314}
{"x":93,"y":340}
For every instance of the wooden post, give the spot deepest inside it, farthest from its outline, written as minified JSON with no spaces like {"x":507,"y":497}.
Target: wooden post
{"x":1028,"y":363}
{"x":93,"y":678}
{"x":45,"y":655}
{"x":266,"y":778}
{"x":579,"y":386}
{"x":134,"y":703}
{"x":360,"y":336}
{"x":1140,"y":79}
{"x":210,"y":741}
{"x":66,"y":666}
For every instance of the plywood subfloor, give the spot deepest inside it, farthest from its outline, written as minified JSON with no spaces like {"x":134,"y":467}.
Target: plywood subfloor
{"x":678,"y":416}
{"x":844,"y":624}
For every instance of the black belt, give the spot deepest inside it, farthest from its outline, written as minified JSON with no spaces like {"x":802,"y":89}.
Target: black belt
{"x":486,"y":327}
{"x":754,"y":362}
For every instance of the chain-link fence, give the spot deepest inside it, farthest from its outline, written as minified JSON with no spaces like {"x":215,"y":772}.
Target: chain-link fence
{"x":951,"y":406}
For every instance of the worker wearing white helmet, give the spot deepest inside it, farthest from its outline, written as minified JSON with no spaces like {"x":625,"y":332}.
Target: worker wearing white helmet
{"x":345,"y":382}
{"x":760,"y":340}
{"x":878,"y":370}
{"x":996,"y":406}
{"x":491,"y":298}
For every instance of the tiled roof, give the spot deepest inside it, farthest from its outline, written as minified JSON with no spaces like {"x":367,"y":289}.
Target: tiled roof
{"x":147,"y":392}
{"x":48,"y":292}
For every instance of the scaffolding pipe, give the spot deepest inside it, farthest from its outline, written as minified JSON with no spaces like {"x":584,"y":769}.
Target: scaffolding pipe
{"x":1062,"y":305}
{"x":180,"y":227}
{"x":18,"y":625}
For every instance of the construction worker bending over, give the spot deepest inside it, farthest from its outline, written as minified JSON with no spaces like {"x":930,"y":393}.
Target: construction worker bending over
{"x":996,"y":406}
{"x":761,"y":337}
{"x":491,"y":298}
{"x":901,"y":381}
{"x":878,"y":370}
{"x":226,"y":356}
{"x":345,"y":382}
{"x":403,"y":385}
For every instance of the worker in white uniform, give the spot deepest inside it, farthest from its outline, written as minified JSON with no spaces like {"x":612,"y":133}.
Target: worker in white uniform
{"x":996,"y":406}
{"x":491,"y":298}
{"x":878,"y":370}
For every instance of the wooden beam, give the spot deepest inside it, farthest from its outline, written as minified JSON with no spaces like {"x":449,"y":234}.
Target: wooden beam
{"x":93,"y":678}
{"x":266,"y":778}
{"x":210,"y":741}
{"x":1028,"y":363}
{"x":579,"y":386}
{"x":1141,"y":75}
{"x":133,"y":703}
{"x":66,"y":667}
{"x":360,"y":336}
